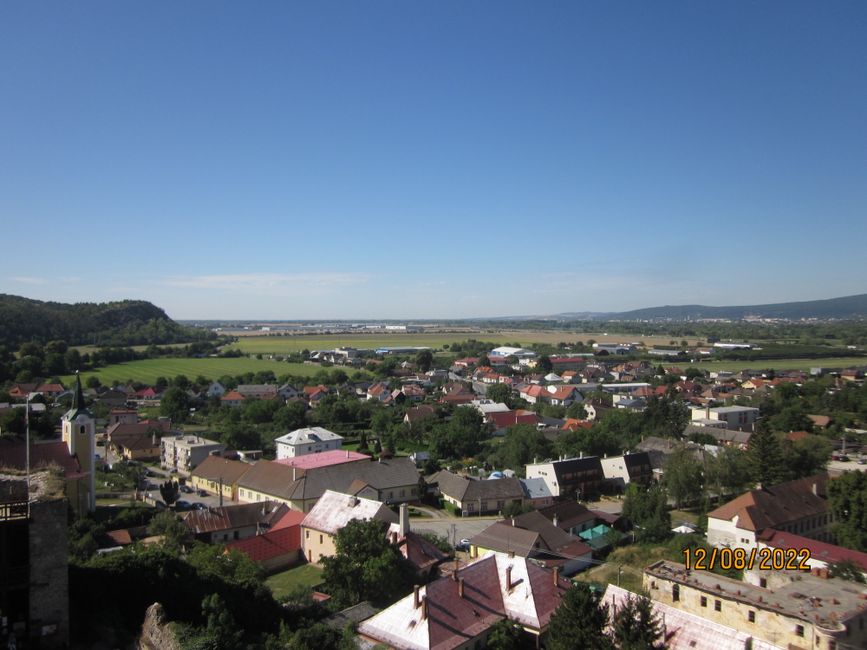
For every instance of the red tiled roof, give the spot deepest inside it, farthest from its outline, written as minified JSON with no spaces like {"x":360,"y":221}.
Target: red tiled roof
{"x":504,"y":419}
{"x":13,"y":454}
{"x":291,"y":518}
{"x":120,"y":537}
{"x":818,"y":550}
{"x":573,"y":424}
{"x":273,"y":544}
{"x":323,"y":459}
{"x":232,"y":396}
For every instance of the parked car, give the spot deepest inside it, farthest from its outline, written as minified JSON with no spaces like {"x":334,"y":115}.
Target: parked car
{"x":199,"y":506}
{"x":202,"y":493}
{"x":186,"y":489}
{"x":182,"y":505}
{"x":463,"y":545}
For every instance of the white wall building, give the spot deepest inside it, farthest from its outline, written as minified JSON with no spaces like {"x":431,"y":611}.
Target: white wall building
{"x":309,"y":440}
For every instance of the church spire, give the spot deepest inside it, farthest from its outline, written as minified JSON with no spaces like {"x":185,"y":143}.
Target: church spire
{"x":78,"y":403}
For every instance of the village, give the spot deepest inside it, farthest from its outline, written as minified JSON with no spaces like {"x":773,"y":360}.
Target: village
{"x":502,"y":480}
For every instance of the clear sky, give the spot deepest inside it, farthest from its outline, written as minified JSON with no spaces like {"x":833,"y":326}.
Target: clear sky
{"x":374,"y":159}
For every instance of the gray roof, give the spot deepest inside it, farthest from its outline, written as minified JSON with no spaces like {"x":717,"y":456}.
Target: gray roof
{"x":464,"y":489}
{"x":307,"y":435}
{"x":535,"y":488}
{"x":334,"y":510}
{"x":276,"y":479}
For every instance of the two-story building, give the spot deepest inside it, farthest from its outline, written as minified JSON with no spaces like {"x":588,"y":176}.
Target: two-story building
{"x":309,"y":440}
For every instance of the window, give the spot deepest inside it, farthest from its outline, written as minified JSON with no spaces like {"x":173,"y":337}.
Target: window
{"x":237,"y":534}
{"x":751,"y":616}
{"x":717,"y":605}
{"x":306,"y":534}
{"x":703,"y":600}
{"x":799,"y":630}
{"x":675,"y":592}
{"x":763,"y":583}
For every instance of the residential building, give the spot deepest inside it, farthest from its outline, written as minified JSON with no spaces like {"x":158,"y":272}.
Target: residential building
{"x":232,"y":399}
{"x":556,"y":395}
{"x":799,"y":506}
{"x":184,"y":453}
{"x":536,"y":492}
{"x":532,"y":535}
{"x":459,"y":611}
{"x":220,"y":476}
{"x":395,"y":480}
{"x":257,"y":391}
{"x":276,"y":549}
{"x":233,"y":522}
{"x":620,"y":471}
{"x":309,"y":440}
{"x":476,"y":497}
{"x":216,"y":389}
{"x":508,"y":351}
{"x":795,"y":610}
{"x":122,"y":416}
{"x":330,"y":514}
{"x":742,"y":418}
{"x":570,"y":516}
{"x":570,"y":477}
{"x":324,"y":459}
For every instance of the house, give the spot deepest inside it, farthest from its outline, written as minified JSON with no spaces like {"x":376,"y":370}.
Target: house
{"x":122,"y":416}
{"x":379,"y":392}
{"x":395,"y":480}
{"x":799,"y":506}
{"x":147,"y":394}
{"x":475,"y":497}
{"x":531,"y":535}
{"x":225,"y":523}
{"x":536,"y":492}
{"x":257,"y":391}
{"x":784,"y":608}
{"x":216,"y":389}
{"x":508,"y":351}
{"x":502,"y":420}
{"x":459,"y":611}
{"x":570,"y":477}
{"x":219,"y":476}
{"x":309,"y":440}
{"x":232,"y":399}
{"x":415,"y":415}
{"x":742,"y":418}
{"x":570,"y":516}
{"x":139,"y":441}
{"x":324,"y":459}
{"x":820,"y":421}
{"x":112,"y":398}
{"x":620,"y":471}
{"x":331,"y":513}
{"x":423,"y":556}
{"x":554,"y":395}
{"x":278,"y":547}
{"x":184,"y":453}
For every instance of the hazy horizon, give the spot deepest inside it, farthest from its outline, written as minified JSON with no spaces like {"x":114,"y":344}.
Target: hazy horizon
{"x":419,"y":161}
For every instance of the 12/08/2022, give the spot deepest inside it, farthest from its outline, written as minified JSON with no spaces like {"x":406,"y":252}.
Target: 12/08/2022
{"x":739,"y":559}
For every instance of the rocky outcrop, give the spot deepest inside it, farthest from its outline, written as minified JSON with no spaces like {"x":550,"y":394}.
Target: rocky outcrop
{"x":156,"y":633}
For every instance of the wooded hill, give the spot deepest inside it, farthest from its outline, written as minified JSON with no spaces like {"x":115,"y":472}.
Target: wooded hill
{"x":125,"y":322}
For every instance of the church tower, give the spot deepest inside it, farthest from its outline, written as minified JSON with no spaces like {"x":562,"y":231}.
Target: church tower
{"x":79,"y":434}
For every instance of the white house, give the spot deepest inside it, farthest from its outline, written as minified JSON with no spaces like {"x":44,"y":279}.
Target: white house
{"x":309,"y":440}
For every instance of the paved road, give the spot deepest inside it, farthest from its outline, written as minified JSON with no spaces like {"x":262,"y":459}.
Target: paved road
{"x":454,"y":528}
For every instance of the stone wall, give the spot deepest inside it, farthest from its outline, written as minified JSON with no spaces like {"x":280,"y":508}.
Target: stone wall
{"x":49,"y":573}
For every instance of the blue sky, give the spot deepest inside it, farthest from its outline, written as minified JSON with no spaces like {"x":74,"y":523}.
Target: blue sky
{"x":439,"y":159}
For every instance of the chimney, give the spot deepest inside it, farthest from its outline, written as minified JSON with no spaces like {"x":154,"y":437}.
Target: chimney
{"x":404,"y":519}
{"x":815,"y":489}
{"x":581,"y":454}
{"x":460,"y":587}
{"x":423,"y":607}
{"x":509,"y":578}
{"x":347,"y":453}
{"x":293,"y":472}
{"x":556,"y":576}
{"x":513,"y":521}
{"x":415,"y":602}
{"x":556,"y":519}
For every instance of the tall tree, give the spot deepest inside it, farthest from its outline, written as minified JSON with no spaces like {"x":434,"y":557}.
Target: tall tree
{"x":766,"y":457}
{"x":579,"y":622}
{"x":499,"y":393}
{"x":635,"y":627}
{"x":366,"y":566}
{"x":424,"y":360}
{"x":847,"y":495}
{"x":647,"y":509}
{"x":683,"y":476}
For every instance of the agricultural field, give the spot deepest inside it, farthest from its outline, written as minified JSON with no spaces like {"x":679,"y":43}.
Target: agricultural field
{"x":146,"y":371}
{"x":777,"y":364}
{"x":296,"y":343}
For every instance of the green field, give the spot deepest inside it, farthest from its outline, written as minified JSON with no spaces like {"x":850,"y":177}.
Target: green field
{"x":778,"y":364}
{"x":147,"y":370}
{"x":305,"y":575}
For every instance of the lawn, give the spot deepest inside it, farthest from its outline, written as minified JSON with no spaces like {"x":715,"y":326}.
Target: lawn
{"x":146,"y":371}
{"x":305,"y":575}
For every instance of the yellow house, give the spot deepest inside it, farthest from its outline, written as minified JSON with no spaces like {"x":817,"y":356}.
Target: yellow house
{"x":215,"y":473}
{"x":331,"y":513}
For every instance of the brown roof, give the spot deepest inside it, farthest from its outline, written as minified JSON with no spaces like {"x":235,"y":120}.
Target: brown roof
{"x":214,"y":468}
{"x":776,"y":506}
{"x":13,"y":454}
{"x":506,"y":538}
{"x":239,"y":516}
{"x":464,"y":489}
{"x":569,"y":514}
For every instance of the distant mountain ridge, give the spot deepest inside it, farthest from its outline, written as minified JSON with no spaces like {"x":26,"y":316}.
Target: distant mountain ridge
{"x":125,"y":322}
{"x":836,"y":308}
